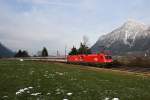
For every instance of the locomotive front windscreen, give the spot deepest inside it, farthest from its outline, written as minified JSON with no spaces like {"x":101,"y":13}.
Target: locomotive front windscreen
{"x":108,"y":57}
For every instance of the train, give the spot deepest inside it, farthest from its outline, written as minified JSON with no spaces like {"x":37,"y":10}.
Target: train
{"x":90,"y":58}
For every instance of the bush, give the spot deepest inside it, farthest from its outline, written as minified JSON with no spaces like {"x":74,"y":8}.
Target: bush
{"x":139,"y":62}
{"x":21,"y":53}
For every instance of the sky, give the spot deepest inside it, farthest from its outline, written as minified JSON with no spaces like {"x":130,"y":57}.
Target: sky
{"x":56,"y":24}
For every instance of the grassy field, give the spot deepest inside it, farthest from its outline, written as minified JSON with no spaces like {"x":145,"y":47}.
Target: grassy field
{"x":30,"y":80}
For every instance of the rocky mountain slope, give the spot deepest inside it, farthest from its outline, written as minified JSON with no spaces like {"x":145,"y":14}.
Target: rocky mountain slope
{"x":131,"y":38}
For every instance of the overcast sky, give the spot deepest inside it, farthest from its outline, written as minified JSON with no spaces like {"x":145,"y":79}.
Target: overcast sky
{"x":32,"y":24}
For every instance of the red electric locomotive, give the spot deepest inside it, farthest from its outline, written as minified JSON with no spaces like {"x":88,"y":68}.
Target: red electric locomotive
{"x":90,"y":58}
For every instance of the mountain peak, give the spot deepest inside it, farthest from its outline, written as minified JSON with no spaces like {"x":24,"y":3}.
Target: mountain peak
{"x":131,"y":23}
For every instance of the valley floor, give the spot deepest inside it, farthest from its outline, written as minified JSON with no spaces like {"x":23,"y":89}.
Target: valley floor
{"x":33,"y":80}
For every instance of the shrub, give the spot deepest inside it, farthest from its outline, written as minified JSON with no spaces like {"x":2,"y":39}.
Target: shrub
{"x":139,"y":62}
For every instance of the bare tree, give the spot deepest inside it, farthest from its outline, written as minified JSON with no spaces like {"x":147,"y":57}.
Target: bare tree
{"x":85,"y":40}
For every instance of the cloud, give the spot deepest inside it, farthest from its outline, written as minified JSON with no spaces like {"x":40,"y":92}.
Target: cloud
{"x":33,"y":29}
{"x":34,"y":1}
{"x":48,"y":2}
{"x":32,"y":24}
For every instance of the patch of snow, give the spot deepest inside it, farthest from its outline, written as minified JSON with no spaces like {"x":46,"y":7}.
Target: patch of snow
{"x":5,"y":96}
{"x":35,"y":94}
{"x":125,"y":38}
{"x":115,"y":99}
{"x":69,"y":94}
{"x":58,"y":73}
{"x":21,"y":60}
{"x":17,"y":93}
{"x":48,"y":93}
{"x":30,"y":87}
{"x":106,"y":98}
{"x":65,"y":99}
{"x":23,"y":90}
{"x":26,"y":89}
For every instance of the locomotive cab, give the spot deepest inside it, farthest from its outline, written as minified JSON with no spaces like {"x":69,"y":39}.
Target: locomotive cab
{"x":108,"y":58}
{"x":90,"y":58}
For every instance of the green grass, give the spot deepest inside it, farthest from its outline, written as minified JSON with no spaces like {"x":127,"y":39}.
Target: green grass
{"x":54,"y":80}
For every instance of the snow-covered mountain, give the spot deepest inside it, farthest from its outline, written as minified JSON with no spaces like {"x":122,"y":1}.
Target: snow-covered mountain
{"x":132,"y":36}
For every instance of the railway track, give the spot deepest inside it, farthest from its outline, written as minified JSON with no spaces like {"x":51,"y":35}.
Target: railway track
{"x":63,"y":60}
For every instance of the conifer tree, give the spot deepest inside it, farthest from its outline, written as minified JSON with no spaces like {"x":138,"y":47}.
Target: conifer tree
{"x":83,"y":49}
{"x":44,"y":52}
{"x":73,"y":51}
{"x":21,"y":53}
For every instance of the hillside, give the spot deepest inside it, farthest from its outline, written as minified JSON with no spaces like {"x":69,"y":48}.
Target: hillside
{"x":5,"y":52}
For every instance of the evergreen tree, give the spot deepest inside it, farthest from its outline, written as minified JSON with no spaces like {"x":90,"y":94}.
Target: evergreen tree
{"x":44,"y":52}
{"x":21,"y":53}
{"x":25,"y":53}
{"x":89,"y":51}
{"x":83,"y":49}
{"x":73,"y":51}
{"x":18,"y":54}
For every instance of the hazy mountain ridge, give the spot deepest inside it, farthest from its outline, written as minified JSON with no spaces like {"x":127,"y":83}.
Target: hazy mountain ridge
{"x":5,"y":52}
{"x":132,"y":36}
